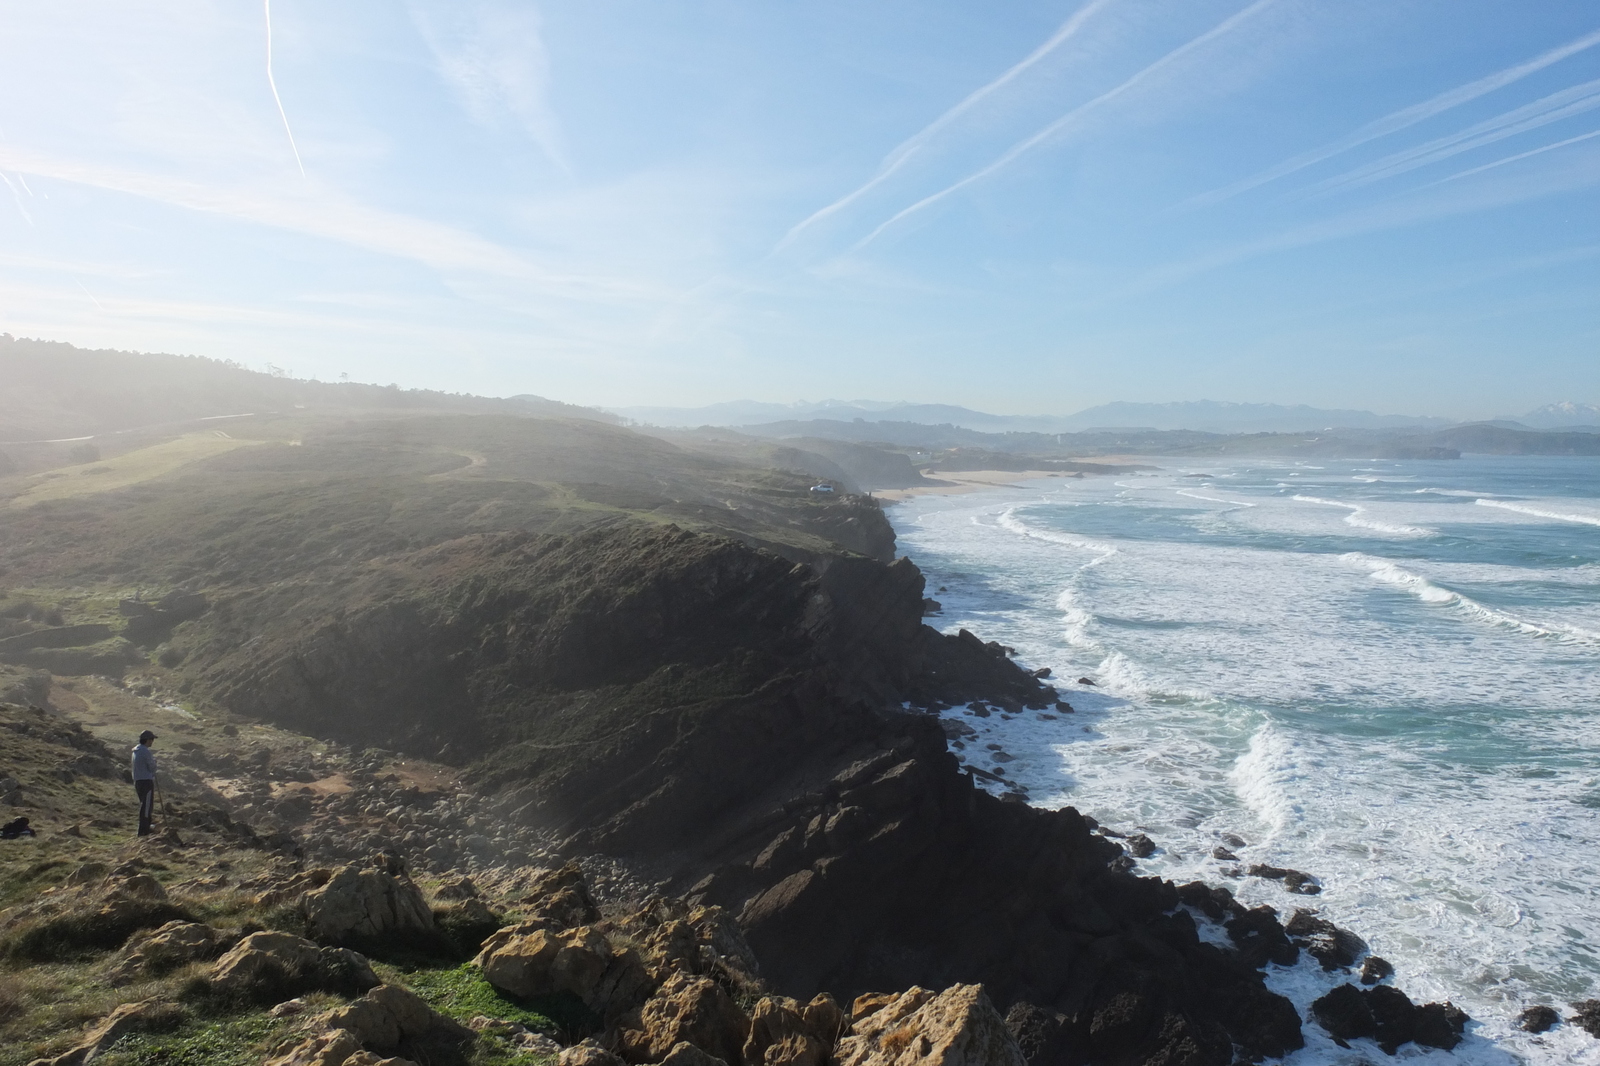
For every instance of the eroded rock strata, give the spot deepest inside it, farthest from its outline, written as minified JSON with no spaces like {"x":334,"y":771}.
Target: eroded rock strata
{"x":736,"y":722}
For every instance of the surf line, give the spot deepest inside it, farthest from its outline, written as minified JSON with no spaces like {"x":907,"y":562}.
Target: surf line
{"x":1354,"y":518}
{"x":1009,"y":521}
{"x":1588,"y":520}
{"x":1212,"y":499}
{"x":1387,"y":572}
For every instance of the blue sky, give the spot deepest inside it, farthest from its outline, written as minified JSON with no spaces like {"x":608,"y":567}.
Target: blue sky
{"x":1020,"y":207}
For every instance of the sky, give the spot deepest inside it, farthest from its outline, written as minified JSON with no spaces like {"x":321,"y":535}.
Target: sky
{"x":1025,"y":207}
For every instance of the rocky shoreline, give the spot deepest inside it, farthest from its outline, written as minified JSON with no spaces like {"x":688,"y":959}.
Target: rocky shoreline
{"x":743,"y":717}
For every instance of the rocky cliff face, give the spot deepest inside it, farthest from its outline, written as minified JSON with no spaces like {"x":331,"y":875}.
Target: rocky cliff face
{"x":733,"y":720}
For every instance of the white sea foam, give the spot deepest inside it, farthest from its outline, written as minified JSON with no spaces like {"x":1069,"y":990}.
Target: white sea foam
{"x":1428,"y":592}
{"x":1431,"y":765}
{"x":1009,"y":521}
{"x":1538,"y":512}
{"x":1358,"y":517}
{"x":1213,"y":499}
{"x":1266,"y":777}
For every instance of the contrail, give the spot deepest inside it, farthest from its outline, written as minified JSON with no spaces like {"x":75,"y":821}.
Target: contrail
{"x":1399,"y":120}
{"x":90,"y":295}
{"x":18,"y":196}
{"x":1574,"y":100}
{"x":1520,"y":155}
{"x":266,"y":6}
{"x":909,"y":147}
{"x":1065,"y":120}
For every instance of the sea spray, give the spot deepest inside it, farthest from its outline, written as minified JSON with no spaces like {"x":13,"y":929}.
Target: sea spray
{"x":1410,"y":718}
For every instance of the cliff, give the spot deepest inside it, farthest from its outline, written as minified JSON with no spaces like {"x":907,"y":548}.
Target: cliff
{"x":660,"y":658}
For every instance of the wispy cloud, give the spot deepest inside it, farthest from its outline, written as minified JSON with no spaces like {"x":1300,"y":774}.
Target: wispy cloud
{"x":1076,"y":115}
{"x":1401,"y":119}
{"x":907,"y":149}
{"x":494,"y":58}
{"x":1553,"y":108}
{"x":266,"y":8}
{"x":330,"y":216}
{"x":1413,"y":209}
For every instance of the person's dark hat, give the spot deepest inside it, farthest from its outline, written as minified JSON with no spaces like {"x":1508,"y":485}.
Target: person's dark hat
{"x":146,"y":737}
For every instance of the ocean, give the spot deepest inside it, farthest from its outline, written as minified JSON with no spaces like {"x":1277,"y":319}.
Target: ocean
{"x":1381,"y":673}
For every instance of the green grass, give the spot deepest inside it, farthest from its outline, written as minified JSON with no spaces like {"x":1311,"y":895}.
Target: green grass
{"x":243,"y":1040}
{"x":463,"y":994}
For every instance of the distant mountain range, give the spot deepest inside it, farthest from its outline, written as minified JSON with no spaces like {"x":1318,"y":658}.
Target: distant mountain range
{"x":1566,"y":415}
{"x":1206,"y":416}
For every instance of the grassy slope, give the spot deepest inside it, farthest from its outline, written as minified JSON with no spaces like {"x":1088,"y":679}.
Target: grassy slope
{"x":45,"y":1006}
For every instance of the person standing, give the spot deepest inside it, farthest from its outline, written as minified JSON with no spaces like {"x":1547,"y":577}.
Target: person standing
{"x":144,"y":781}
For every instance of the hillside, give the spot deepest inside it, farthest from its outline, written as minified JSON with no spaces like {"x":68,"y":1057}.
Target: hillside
{"x":50,"y":390}
{"x":686,"y":670}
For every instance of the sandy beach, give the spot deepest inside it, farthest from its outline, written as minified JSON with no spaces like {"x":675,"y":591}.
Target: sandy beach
{"x":956,"y":482}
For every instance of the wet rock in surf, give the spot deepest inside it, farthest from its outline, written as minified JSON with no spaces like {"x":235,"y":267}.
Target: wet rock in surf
{"x":1141,"y":846}
{"x":1539,"y":1019}
{"x":1388,"y":1016}
{"x":1588,"y":1016}
{"x":1334,"y":948}
{"x":1375,"y":969}
{"x":1260,"y":939}
{"x":1294,"y":880}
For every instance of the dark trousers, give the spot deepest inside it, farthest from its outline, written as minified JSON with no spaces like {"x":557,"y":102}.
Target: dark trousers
{"x":147,"y":805}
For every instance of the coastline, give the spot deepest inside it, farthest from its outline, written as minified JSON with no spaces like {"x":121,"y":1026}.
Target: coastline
{"x":1434,"y":948}
{"x":958,"y":482}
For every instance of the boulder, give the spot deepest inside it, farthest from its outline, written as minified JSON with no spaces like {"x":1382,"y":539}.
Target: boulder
{"x":1344,"y":1013}
{"x":335,"y":1048}
{"x":1387,"y":1015}
{"x":957,"y":1027}
{"x":531,"y":960}
{"x":389,"y":1017}
{"x":129,"y":1018}
{"x":684,"y":1053}
{"x":1261,"y":939}
{"x":1294,"y":880}
{"x":1334,"y":948}
{"x":587,"y":1053}
{"x":361,"y":905}
{"x":1538,"y":1019}
{"x":456,"y":888}
{"x":165,"y":949}
{"x":1588,"y":1016}
{"x":561,"y":898}
{"x":781,"y":1036}
{"x":1045,"y":1036}
{"x":1375,"y":969}
{"x":1439,"y":1025}
{"x":688,"y":1009}
{"x":1141,"y":846}
{"x":277,"y":966}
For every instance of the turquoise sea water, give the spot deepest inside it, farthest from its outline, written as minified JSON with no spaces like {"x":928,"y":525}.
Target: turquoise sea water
{"x":1381,"y":673}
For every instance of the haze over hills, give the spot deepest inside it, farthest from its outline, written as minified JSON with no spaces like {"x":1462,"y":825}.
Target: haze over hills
{"x":1566,"y":415}
{"x":52,"y":390}
{"x":1203,"y":416}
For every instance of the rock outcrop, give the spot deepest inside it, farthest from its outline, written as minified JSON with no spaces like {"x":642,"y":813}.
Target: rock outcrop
{"x":167,"y":948}
{"x":389,"y":1018}
{"x":271,"y":967}
{"x":129,"y":1018}
{"x":734,"y":720}
{"x":1388,"y":1017}
{"x":692,"y":1010}
{"x":956,"y":1027}
{"x":361,"y":905}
